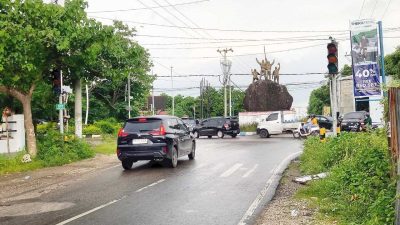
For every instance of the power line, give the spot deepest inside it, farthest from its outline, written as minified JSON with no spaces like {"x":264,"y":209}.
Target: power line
{"x":232,"y":39}
{"x":149,"y":8}
{"x":166,"y":19}
{"x":239,"y":74}
{"x":226,"y":30}
{"x":373,"y":8}
{"x":387,"y":7}
{"x":362,"y":7}
{"x":250,"y":54}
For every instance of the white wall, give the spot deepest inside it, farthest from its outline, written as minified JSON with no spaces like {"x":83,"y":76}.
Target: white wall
{"x":17,"y":140}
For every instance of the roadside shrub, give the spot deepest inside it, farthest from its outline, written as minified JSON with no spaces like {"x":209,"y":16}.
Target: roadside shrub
{"x":359,"y":188}
{"x":91,"y":129}
{"x":53,"y":151}
{"x":320,"y":157}
{"x":44,"y":128}
{"x":109,"y":126}
{"x":251,"y":127}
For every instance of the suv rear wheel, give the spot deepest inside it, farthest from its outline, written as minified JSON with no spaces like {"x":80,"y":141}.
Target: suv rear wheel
{"x":173,"y":162}
{"x":220,"y":134}
{"x":127,"y":164}
{"x":234,"y":135}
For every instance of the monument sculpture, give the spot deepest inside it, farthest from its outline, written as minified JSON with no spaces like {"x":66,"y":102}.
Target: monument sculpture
{"x":267,"y":94}
{"x":276,"y":73}
{"x":255,"y":75}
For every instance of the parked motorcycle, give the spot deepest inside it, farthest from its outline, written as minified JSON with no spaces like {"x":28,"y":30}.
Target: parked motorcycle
{"x":304,"y":131}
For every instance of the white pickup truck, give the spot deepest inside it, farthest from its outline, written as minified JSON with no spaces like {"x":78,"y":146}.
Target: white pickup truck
{"x":277,"y":123}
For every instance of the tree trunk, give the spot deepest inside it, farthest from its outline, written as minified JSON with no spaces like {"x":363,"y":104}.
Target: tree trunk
{"x":26,"y":101}
{"x":29,"y":128}
{"x":78,"y":108}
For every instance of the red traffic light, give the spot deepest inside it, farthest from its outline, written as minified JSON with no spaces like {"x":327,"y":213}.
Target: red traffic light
{"x":332,"y":48}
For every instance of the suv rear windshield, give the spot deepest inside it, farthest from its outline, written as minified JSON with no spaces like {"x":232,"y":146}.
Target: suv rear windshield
{"x":139,"y":125}
{"x":354,"y":115}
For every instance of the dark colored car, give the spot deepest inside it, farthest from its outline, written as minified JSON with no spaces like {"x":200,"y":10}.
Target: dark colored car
{"x":190,"y":123}
{"x":158,"y":138}
{"x":353,"y":121}
{"x":217,"y":126}
{"x":325,"y":121}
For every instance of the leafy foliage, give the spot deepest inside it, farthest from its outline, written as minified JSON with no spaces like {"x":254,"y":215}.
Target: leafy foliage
{"x":346,"y":70}
{"x":318,"y":99}
{"x":392,"y":64}
{"x":359,"y":188}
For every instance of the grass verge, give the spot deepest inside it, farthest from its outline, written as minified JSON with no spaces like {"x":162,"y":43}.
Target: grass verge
{"x":359,"y":188}
{"x":107,"y":147}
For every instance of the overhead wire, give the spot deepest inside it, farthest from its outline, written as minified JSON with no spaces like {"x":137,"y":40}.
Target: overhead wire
{"x":148,"y":8}
{"x":373,"y":8}
{"x":387,"y":7}
{"x":166,"y":19}
{"x":362,"y":7}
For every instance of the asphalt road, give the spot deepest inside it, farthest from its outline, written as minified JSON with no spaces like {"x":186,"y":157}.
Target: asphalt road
{"x":223,"y":185}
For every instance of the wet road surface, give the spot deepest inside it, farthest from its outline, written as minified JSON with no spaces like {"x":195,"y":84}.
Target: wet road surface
{"x":221,"y":186}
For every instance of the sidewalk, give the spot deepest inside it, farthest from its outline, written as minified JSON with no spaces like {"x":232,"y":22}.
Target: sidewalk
{"x":32,"y":184}
{"x":284,"y":208}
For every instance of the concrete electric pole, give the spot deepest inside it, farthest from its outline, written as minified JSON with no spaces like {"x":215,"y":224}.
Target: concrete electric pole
{"x":226,"y":67}
{"x":173,"y":93}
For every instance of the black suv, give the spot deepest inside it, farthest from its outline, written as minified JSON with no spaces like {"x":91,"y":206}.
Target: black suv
{"x":353,"y":121}
{"x":217,"y":126}
{"x":159,"y":138}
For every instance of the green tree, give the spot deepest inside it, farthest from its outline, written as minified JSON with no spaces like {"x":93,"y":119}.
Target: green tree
{"x":346,"y":70}
{"x":27,"y":31}
{"x":318,"y":99}
{"x":392,"y":64}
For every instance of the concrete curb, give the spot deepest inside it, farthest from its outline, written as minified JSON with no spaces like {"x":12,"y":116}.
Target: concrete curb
{"x":247,"y":133}
{"x":268,"y":191}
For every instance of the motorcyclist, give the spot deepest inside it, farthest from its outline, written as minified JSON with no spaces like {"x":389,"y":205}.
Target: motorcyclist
{"x":314,"y":120}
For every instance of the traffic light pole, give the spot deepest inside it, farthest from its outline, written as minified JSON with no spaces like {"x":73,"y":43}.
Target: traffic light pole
{"x":334,"y":103}
{"x":60,"y":101}
{"x":225,"y":70}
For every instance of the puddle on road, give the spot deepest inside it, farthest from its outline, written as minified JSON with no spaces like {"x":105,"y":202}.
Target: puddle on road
{"x":24,"y":209}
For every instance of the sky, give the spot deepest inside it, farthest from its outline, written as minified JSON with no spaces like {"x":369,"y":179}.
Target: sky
{"x":294,"y":33}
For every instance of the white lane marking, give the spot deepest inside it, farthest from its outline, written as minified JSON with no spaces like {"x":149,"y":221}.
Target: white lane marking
{"x":263,"y":192}
{"x":90,"y":211}
{"x":150,"y":185}
{"x":250,"y":171}
{"x":231,"y":170}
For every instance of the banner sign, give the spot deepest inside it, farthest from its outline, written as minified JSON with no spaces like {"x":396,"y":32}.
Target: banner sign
{"x":364,"y":54}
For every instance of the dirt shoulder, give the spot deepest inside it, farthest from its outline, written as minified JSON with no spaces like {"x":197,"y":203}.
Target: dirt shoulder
{"x":284,"y":207}
{"x":32,"y":184}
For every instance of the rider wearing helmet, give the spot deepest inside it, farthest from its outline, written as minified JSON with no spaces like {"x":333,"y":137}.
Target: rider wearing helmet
{"x":314,"y":120}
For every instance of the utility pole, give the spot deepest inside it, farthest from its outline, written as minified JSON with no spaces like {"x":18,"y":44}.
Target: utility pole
{"x":230,"y":96}
{"x":60,"y":101}
{"x":173,"y":93}
{"x":226,"y":67}
{"x":382,"y":56}
{"x":129,"y":95}
{"x":152,"y":95}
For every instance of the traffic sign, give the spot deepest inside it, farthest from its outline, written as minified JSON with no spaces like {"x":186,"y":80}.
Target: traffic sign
{"x":60,"y":106}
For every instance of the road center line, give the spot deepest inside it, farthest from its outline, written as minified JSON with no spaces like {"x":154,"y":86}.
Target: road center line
{"x":250,"y":171}
{"x":264,"y":191}
{"x":150,"y":185}
{"x":231,"y":170}
{"x":90,"y":211}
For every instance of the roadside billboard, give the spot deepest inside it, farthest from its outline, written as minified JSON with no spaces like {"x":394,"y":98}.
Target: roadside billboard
{"x":364,"y":53}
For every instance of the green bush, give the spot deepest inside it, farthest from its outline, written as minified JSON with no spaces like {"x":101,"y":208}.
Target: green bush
{"x":109,"y":126}
{"x":53,"y":151}
{"x":359,"y":188}
{"x":91,"y":130}
{"x":252,"y":127}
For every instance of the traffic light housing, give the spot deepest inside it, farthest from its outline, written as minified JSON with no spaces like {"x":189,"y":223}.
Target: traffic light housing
{"x":332,"y":58}
{"x":56,"y":79}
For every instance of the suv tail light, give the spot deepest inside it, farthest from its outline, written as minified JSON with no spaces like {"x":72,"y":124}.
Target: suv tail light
{"x":159,"y":131}
{"x":122,"y":133}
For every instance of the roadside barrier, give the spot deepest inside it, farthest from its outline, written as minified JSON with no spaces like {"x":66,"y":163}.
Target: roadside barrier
{"x":322,"y":132}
